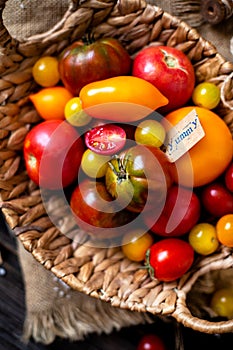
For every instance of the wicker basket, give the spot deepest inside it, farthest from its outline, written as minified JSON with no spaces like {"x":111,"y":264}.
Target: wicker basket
{"x":102,"y":273}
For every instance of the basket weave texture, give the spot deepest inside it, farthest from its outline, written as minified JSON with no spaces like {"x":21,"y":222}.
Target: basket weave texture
{"x":102,"y":273}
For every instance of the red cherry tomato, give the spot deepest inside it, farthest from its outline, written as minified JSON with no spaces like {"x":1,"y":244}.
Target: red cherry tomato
{"x":52,"y":151}
{"x":229,"y":177}
{"x":105,"y":139}
{"x":181,"y":212}
{"x":217,"y":200}
{"x":169,"y":259}
{"x":151,"y":342}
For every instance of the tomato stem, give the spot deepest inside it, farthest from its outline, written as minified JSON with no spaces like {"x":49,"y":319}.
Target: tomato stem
{"x":148,"y":265}
{"x":121,"y":174}
{"x":89,"y":38}
{"x":170,"y":60}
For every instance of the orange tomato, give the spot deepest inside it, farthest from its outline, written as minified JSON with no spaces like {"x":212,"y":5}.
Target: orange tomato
{"x":136,"y":243}
{"x":121,"y":98}
{"x":208,"y":158}
{"x":224,"y":228}
{"x":50,"y":102}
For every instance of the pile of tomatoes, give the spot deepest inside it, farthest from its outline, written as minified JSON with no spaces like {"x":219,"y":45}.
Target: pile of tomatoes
{"x":103,"y":133}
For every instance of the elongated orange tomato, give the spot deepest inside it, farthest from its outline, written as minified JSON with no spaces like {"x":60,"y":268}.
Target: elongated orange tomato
{"x":121,"y":98}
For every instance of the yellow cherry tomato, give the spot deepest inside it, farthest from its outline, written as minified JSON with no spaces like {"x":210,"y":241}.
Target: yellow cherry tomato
{"x":222,"y":302}
{"x":45,"y":71}
{"x":150,"y":132}
{"x":206,"y":95}
{"x":203,"y":238}
{"x":94,"y":165}
{"x":74,"y":113}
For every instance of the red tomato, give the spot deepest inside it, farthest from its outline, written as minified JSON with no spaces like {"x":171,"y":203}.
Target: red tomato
{"x":169,"y":259}
{"x":52,"y":153}
{"x":217,"y":200}
{"x":181,"y":212}
{"x":82,"y":63}
{"x":229,"y":177}
{"x":96,"y":212}
{"x":168,"y":69}
{"x":105,"y":139}
{"x":151,"y":342}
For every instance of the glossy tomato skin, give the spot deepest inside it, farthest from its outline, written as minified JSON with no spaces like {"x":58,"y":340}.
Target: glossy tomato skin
{"x":151,"y":342}
{"x":96,"y":212}
{"x":140,"y":176}
{"x":121,"y":99}
{"x":169,"y":259}
{"x":170,"y":70}
{"x":229,"y":177}
{"x":52,"y":151}
{"x":82,"y":63}
{"x":217,"y":200}
{"x":181,"y":212}
{"x":105,"y":139}
{"x":206,"y":160}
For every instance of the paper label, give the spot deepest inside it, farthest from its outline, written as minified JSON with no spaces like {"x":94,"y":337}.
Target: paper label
{"x":183,"y":136}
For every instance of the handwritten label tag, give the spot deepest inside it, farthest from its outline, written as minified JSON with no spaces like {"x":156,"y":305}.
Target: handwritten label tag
{"x":183,"y":136}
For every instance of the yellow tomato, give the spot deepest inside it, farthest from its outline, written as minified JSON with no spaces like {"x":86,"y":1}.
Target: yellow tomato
{"x":74,"y":113}
{"x":121,"y":98}
{"x":45,"y":71}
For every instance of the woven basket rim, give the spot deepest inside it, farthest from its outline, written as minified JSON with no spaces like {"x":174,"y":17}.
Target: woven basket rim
{"x":36,"y":234}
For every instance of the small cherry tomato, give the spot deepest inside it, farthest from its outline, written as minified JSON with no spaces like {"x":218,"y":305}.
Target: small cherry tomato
{"x":203,"y":238}
{"x":229,"y":177}
{"x":222,"y":302}
{"x":45,"y":71}
{"x":151,"y":342}
{"x":217,"y":200}
{"x":169,"y":259}
{"x":74,"y":113}
{"x":50,"y":102}
{"x":94,"y":165}
{"x":206,"y":95}
{"x":150,"y":132}
{"x":136,"y":243}
{"x":105,"y":139}
{"x":224,"y":229}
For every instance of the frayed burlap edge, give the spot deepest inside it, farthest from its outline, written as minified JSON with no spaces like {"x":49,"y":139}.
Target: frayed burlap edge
{"x":55,"y":310}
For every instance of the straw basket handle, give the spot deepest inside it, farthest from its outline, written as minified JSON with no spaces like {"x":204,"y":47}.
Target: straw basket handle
{"x":220,"y":261}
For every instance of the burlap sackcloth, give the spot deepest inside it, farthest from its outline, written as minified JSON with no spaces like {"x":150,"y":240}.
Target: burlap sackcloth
{"x":52,"y":308}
